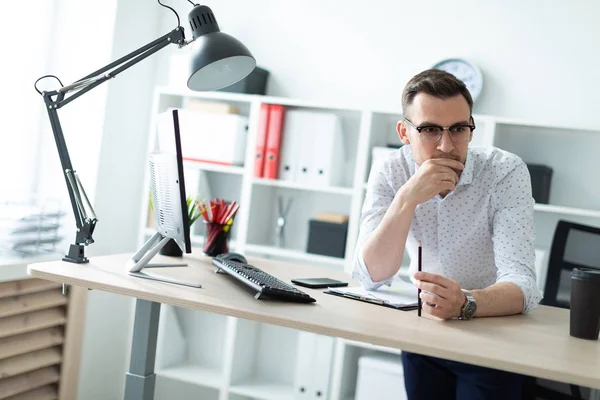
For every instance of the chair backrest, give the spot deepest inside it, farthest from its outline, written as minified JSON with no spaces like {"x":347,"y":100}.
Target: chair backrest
{"x":573,"y":246}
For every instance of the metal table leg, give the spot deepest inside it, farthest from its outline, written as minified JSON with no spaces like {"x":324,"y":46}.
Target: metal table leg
{"x":139,"y":381}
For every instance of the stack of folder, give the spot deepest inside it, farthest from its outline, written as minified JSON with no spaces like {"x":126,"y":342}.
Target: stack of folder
{"x":302,"y":146}
{"x":29,"y":229}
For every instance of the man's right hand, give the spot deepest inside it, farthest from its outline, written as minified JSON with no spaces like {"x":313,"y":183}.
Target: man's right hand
{"x":436,"y":175}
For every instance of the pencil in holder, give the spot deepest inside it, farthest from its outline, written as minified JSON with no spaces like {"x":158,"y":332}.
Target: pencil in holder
{"x":216,"y":238}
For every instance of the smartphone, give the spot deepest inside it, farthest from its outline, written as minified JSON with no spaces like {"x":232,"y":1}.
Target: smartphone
{"x":316,"y":283}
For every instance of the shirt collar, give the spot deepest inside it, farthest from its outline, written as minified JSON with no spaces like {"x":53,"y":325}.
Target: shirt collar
{"x":467,"y":174}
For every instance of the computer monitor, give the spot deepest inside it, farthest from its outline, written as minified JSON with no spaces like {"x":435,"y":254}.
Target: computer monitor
{"x":170,"y":209}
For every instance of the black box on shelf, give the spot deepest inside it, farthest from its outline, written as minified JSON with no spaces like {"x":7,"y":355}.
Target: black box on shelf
{"x":327,"y":238}
{"x":541,"y":177}
{"x":254,"y":83}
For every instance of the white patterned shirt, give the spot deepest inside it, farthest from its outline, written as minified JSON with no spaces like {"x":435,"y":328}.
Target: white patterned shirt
{"x":479,"y":234}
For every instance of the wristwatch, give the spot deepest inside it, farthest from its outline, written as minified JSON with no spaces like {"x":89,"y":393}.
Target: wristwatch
{"x":468,"y":309}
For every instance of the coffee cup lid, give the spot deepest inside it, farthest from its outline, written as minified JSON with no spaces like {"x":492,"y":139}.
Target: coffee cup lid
{"x":586,"y":274}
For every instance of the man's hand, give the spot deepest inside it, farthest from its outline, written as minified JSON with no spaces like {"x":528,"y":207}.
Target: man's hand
{"x":436,"y":175}
{"x":441,"y":296}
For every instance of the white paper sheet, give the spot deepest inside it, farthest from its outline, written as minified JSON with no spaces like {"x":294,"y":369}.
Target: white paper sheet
{"x":399,"y":294}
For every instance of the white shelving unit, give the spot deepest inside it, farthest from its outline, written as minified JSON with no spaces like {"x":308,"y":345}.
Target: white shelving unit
{"x":209,"y":356}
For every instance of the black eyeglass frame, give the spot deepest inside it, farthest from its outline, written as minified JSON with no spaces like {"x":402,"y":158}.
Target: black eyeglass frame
{"x":443,"y":128}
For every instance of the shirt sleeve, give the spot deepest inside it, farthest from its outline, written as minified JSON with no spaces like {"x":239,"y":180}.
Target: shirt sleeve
{"x":514,"y":234}
{"x":378,"y":198}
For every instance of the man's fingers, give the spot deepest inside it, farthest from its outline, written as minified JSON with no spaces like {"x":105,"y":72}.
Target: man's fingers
{"x":431,"y":298}
{"x":449,"y":176}
{"x":445,"y":185}
{"x":434,"y":278}
{"x":448,"y":162}
{"x":434,"y":310}
{"x":433,"y":288}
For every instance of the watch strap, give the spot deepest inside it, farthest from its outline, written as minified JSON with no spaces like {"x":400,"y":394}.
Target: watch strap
{"x":469,"y":307}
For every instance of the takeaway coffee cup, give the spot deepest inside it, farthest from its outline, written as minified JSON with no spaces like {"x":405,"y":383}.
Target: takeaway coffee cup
{"x":585,"y":303}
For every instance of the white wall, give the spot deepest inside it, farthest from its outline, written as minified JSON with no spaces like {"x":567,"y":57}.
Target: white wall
{"x":539,"y":58}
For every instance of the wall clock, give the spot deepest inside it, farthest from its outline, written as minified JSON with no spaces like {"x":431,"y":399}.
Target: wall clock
{"x":467,"y":72}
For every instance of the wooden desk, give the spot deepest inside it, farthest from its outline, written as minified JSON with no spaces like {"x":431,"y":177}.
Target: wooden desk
{"x":537,"y":344}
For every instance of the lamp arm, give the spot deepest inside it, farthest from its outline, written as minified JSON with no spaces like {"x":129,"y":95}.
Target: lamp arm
{"x":88,"y":82}
{"x":85,"y":217}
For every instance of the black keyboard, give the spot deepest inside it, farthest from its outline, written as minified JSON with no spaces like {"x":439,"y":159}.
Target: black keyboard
{"x":265,"y":284}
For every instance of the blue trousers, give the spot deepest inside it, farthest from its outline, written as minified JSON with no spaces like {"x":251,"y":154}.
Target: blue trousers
{"x":430,"y":378}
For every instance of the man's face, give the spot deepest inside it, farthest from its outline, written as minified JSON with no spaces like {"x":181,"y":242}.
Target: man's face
{"x":430,"y":110}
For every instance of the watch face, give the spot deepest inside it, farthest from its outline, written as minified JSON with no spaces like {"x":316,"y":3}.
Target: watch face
{"x":470,"y":309}
{"x":466,"y":72}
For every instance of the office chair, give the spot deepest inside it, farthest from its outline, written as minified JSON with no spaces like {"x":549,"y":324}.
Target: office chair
{"x":573,"y":246}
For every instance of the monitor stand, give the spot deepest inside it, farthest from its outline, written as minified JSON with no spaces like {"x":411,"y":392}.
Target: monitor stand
{"x":140,"y":262}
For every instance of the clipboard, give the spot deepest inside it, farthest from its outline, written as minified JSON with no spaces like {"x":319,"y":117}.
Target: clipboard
{"x":378,"y":302}
{"x":400,"y":294}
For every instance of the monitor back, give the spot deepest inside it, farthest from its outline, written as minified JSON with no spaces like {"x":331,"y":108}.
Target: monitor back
{"x":164,"y":183}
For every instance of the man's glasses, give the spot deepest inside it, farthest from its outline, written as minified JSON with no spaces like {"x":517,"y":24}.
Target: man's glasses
{"x":459,"y":133}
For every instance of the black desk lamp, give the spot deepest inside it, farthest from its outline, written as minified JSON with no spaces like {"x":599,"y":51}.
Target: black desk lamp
{"x":218,"y":60}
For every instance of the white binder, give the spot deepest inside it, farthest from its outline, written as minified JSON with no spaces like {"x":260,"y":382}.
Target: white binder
{"x":321,"y":373}
{"x":301,"y":125}
{"x":328,"y":156}
{"x":293,"y":129}
{"x":303,"y":385}
{"x":313,"y":151}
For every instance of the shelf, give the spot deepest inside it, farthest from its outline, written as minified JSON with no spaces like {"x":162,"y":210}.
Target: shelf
{"x":195,"y":374}
{"x":247,"y":98}
{"x":205,"y":166}
{"x":263,"y":390}
{"x":295,"y":254}
{"x":567,"y":210}
{"x":534,"y":124}
{"x":212,"y":95}
{"x":300,"y":186}
{"x":371,"y":346}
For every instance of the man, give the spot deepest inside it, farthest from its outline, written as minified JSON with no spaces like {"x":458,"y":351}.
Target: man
{"x":472,"y":211}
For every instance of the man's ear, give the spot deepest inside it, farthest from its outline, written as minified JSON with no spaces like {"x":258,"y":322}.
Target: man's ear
{"x":402,"y":133}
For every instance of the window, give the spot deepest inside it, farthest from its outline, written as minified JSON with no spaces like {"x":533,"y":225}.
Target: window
{"x":25,"y":58}
{"x":49,"y":37}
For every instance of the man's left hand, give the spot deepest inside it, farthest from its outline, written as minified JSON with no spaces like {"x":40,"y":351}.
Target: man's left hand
{"x":441,"y":296}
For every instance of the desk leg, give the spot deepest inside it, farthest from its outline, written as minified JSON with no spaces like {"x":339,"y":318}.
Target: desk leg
{"x":139,"y":381}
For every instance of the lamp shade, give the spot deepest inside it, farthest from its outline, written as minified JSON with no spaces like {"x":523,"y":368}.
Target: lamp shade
{"x":217,"y":59}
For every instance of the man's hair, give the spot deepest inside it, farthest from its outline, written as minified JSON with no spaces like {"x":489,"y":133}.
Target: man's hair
{"x":437,"y":83}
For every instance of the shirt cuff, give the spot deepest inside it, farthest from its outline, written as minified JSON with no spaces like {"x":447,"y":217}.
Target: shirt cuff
{"x":361,"y":272}
{"x":531,"y":293}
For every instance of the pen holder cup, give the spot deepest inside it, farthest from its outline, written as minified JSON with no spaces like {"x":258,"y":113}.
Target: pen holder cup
{"x":216,"y":238}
